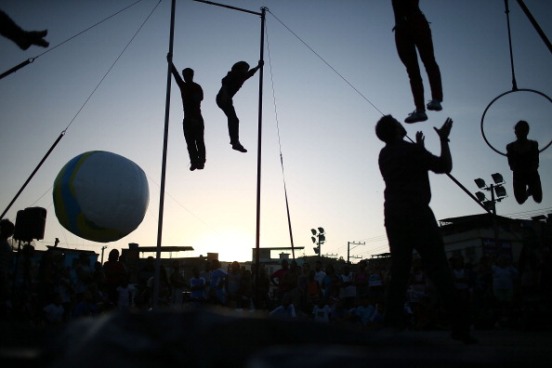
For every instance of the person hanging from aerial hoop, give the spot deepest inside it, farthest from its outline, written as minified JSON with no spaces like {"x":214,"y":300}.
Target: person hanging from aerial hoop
{"x":193,"y":125}
{"x":23,"y":39}
{"x":231,"y":84}
{"x":412,"y":33}
{"x":523,"y":158}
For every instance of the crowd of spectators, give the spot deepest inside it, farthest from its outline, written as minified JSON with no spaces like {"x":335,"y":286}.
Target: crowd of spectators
{"x":497,"y":293}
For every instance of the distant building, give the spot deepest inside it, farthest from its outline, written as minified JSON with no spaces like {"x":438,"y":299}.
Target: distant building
{"x":486,"y":235}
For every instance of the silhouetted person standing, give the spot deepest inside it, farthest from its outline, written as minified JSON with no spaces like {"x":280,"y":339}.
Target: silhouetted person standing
{"x":193,"y":125}
{"x":523,"y":158}
{"x":410,"y":223}
{"x":7,"y":229}
{"x":412,"y":33}
{"x":23,"y":39}
{"x":231,"y":84}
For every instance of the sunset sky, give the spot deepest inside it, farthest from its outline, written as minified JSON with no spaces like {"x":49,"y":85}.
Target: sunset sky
{"x":319,"y":110}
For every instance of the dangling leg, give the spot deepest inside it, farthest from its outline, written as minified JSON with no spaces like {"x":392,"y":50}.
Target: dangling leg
{"x":200,"y":145}
{"x":535,"y":187}
{"x":407,"y":53}
{"x":189,"y":136}
{"x":424,"y":43}
{"x":233,"y":123}
{"x":520,"y":187}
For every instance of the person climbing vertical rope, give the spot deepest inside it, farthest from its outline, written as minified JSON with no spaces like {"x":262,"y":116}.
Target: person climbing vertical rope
{"x":231,"y":84}
{"x":23,"y":39}
{"x":193,"y":125}
{"x":523,"y":158}
{"x":412,"y":33}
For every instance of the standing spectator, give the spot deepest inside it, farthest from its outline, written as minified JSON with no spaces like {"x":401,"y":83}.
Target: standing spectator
{"x":376,"y":283}
{"x":233,"y":286}
{"x":277,"y":279}
{"x":361,"y":280}
{"x":6,"y":259}
{"x":410,"y":222}
{"x":115,"y":275}
{"x":348,"y":291}
{"x":505,"y":277}
{"x":319,"y":272}
{"x":285,"y":310}
{"x":217,"y":282}
{"x":198,"y":286}
{"x":178,"y":284}
{"x":321,"y":311}
{"x":331,"y":283}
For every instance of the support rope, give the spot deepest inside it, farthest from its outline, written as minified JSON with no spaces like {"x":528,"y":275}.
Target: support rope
{"x":460,"y":185}
{"x":280,"y":147}
{"x":78,"y":112}
{"x":327,"y":64}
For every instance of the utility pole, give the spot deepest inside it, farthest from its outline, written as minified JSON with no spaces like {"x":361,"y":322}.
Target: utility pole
{"x":355,"y":244}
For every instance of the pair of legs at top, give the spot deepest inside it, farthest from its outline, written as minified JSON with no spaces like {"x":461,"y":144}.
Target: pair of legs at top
{"x":227,"y":106}
{"x":193,"y":133}
{"x":411,"y":39}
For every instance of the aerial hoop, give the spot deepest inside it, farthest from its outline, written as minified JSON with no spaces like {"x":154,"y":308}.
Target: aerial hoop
{"x":496,"y":99}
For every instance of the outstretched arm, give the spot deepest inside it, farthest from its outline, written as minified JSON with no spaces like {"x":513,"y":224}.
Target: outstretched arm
{"x":445,"y":158}
{"x":174,"y":72}
{"x":252,"y":71}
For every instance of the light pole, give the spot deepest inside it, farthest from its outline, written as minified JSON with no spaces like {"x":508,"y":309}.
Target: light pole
{"x":497,"y":190}
{"x":318,"y":237}
{"x":498,"y":193}
{"x":349,"y":248}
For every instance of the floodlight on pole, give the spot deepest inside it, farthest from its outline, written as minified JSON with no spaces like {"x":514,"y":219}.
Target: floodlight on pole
{"x":497,"y":190}
{"x":480,"y":183}
{"x":497,"y":178}
{"x":480,"y":196}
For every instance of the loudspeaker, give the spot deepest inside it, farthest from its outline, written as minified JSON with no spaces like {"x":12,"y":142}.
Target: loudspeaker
{"x":30,"y":224}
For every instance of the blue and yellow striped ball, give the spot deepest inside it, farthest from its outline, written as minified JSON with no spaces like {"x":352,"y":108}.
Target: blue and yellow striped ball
{"x":101,"y":196}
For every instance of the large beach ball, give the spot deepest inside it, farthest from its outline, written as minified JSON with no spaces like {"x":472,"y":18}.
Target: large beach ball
{"x":101,"y":196}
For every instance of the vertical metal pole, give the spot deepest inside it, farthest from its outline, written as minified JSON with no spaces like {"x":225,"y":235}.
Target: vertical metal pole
{"x":163,"y":166}
{"x":259,"y":147}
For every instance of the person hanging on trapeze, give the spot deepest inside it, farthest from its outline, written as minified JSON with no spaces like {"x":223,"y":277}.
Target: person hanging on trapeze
{"x":193,"y":125}
{"x":412,"y":33}
{"x":523,"y":158}
{"x":23,"y":39}
{"x":231,"y":84}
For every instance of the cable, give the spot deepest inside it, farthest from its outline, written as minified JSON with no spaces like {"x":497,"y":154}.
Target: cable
{"x":62,"y":134}
{"x":113,"y":64}
{"x":280,"y":146}
{"x":31,"y":60}
{"x":327,"y":64}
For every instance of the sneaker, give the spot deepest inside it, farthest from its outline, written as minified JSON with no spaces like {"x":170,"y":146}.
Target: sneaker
{"x":238,"y":147}
{"x":193,"y":167}
{"x":434,"y":105}
{"x":416,"y":116}
{"x":200,"y":166}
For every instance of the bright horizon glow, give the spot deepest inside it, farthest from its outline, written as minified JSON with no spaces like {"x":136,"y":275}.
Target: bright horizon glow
{"x":325,"y":128}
